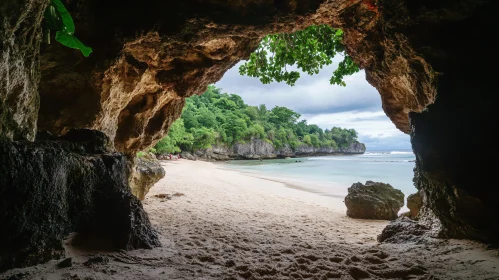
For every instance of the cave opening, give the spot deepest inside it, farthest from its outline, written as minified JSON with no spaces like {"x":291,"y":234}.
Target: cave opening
{"x":421,"y":57}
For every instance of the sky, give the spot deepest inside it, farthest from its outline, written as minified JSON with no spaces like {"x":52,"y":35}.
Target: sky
{"x":358,"y":105}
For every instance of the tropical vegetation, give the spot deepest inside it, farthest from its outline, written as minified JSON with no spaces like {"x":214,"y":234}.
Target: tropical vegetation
{"x":279,"y":55}
{"x":224,"y":119}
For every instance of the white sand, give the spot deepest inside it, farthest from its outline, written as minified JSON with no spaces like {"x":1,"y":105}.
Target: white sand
{"x":228,"y":225}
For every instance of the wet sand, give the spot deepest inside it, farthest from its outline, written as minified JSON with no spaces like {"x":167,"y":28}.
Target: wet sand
{"x":221,"y":224}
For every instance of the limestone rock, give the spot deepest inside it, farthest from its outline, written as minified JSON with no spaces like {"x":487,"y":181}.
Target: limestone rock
{"x":373,"y":200}
{"x":414,"y":203}
{"x":148,"y":171}
{"x":254,"y":149}
{"x":354,"y":148}
{"x":261,"y":149}
{"x":188,"y":156}
{"x":53,"y":187}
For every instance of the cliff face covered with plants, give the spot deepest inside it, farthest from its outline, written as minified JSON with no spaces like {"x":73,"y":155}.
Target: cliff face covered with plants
{"x":222,"y":120}
{"x":149,"y":56}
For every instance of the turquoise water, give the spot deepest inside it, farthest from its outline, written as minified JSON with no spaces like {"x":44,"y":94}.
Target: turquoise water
{"x":332,"y":175}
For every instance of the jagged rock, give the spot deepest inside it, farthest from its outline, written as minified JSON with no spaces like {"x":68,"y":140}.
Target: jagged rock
{"x":52,"y":188}
{"x":215,"y":153}
{"x":254,"y":149}
{"x":404,"y":230}
{"x":261,"y":149}
{"x":148,"y":171}
{"x":373,"y":200}
{"x":414,"y":203}
{"x":354,"y":148}
{"x":188,"y":156}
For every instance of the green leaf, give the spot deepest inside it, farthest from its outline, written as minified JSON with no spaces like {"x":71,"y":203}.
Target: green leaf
{"x":72,"y":42}
{"x":51,"y":19}
{"x":309,"y":50}
{"x":57,"y":18}
{"x":67,"y":20}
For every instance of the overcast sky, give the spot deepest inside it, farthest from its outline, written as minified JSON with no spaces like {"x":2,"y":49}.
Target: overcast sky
{"x":358,"y":105}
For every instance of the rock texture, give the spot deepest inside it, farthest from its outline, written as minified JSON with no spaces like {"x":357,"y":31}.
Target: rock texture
{"x":261,"y":149}
{"x":50,"y":188}
{"x":459,"y":186}
{"x":373,"y":200}
{"x":405,"y":230}
{"x":414,"y":203}
{"x":20,"y":35}
{"x":147,"y":172}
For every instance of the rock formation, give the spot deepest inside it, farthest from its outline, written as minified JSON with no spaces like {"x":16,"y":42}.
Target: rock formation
{"x":20,"y":35}
{"x":373,"y":200}
{"x":260,"y":149}
{"x":414,"y":203}
{"x":433,"y":63}
{"x":404,"y":230}
{"x":52,"y":187}
{"x":147,"y":172}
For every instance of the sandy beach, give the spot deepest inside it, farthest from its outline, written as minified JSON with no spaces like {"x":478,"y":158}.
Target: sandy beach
{"x":216,"y":223}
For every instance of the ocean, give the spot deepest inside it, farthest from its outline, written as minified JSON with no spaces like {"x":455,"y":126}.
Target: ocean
{"x":332,"y":175}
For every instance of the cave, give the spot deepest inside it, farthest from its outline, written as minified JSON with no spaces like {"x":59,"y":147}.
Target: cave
{"x":69,"y":124}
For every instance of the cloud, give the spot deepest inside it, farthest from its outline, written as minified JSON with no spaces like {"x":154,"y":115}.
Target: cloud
{"x":310,"y":95}
{"x":358,"y":105}
{"x":374,"y":128}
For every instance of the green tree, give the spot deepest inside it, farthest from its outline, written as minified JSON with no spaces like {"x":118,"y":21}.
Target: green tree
{"x":307,"y":139}
{"x":283,"y":116}
{"x":203,"y":138}
{"x":309,"y":50}
{"x":206,"y":118}
{"x":177,"y":137}
{"x":217,"y":118}
{"x":314,"y":140}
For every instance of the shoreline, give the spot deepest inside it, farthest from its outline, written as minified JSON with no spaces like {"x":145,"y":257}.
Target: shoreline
{"x":330,"y":190}
{"x":334,"y":202}
{"x":239,"y":158}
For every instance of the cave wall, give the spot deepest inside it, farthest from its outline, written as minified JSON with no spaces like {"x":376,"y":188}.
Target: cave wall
{"x":455,"y":168}
{"x":55,"y":186}
{"x":20,"y":36}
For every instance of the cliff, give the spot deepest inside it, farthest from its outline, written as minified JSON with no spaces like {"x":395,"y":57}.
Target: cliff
{"x":260,"y":149}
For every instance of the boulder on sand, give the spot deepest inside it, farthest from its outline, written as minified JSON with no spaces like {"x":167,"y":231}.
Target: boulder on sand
{"x":373,"y":200}
{"x":147,"y":172}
